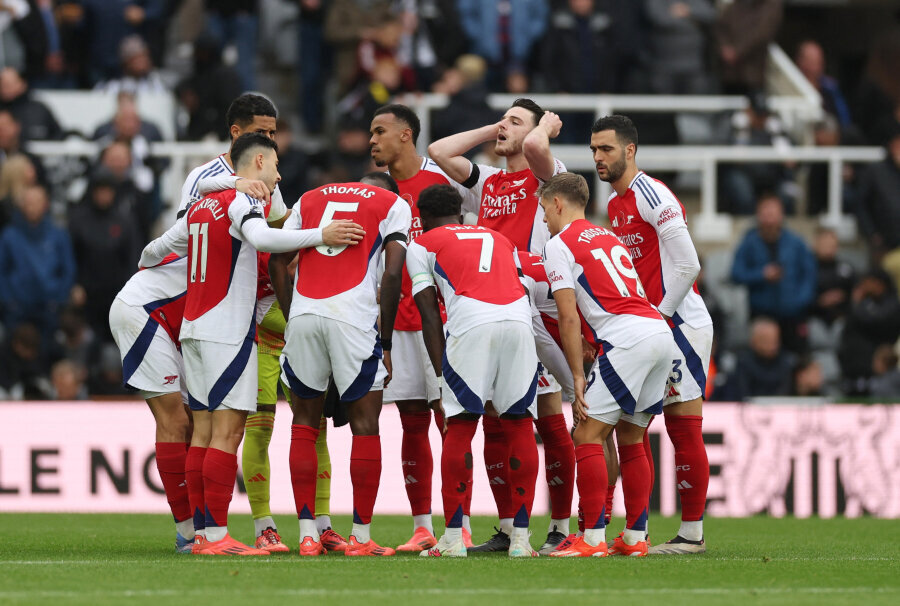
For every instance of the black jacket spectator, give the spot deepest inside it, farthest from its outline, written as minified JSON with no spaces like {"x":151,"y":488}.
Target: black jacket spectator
{"x":207,"y":93}
{"x":38,"y":122}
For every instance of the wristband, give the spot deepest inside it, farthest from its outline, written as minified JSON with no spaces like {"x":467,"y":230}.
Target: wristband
{"x":386,"y":344}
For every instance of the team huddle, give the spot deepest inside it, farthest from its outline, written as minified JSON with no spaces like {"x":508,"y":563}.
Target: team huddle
{"x":376,"y":291}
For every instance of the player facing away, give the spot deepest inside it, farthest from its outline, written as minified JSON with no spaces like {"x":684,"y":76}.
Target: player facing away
{"x":414,"y":386}
{"x":596,"y":286}
{"x":220,"y":235}
{"x":508,"y":204}
{"x":332,"y":330}
{"x":489,"y":349}
{"x":650,"y":221}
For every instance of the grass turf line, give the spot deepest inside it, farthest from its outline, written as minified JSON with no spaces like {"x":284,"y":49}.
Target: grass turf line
{"x":108,"y":559}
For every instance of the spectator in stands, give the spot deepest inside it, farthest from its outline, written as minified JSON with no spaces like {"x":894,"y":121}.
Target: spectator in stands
{"x":54,"y":73}
{"x":779,"y":272}
{"x":742,"y":184}
{"x":368,"y":95}
{"x":107,"y":244}
{"x":16,"y":175}
{"x":23,"y":366}
{"x":878,"y":97}
{"x":38,"y":122}
{"x":763,"y":368}
{"x":105,"y":378}
{"x":235,"y":22}
{"x":879,"y":204}
{"x":313,"y":62}
{"x":137,"y":75}
{"x":439,"y":22}
{"x":808,"y":380}
{"x":383,"y":45}
{"x":293,"y":163}
{"x":13,"y":55}
{"x":744,"y":30}
{"x":874,"y":320}
{"x":75,"y":340}
{"x":67,"y":379}
{"x":504,"y":33}
{"x":347,"y":23}
{"x":885,"y":383}
{"x":467,"y":108}
{"x":36,"y":264}
{"x":827,"y":133}
{"x":810,"y":60}
{"x":11,"y":143}
{"x":677,"y":45}
{"x":116,"y":163}
{"x":577,"y":35}
{"x":207,"y":93}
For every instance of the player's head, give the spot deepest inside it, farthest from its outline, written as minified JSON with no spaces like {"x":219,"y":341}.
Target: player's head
{"x":519,"y":120}
{"x":382,"y":180}
{"x":439,"y":205}
{"x":251,"y":113}
{"x":255,"y":156}
{"x":560,"y":196}
{"x":614,"y":141}
{"x":394,"y":128}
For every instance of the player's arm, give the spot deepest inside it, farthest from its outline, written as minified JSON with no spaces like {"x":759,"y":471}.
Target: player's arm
{"x":424,"y":294}
{"x":246,"y":214}
{"x":536,"y":146}
{"x":448,"y":153}
{"x":174,"y":240}
{"x":280,"y":276}
{"x":254,"y":188}
{"x":389,"y":295}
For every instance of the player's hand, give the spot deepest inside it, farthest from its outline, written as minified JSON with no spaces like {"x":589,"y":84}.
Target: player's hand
{"x":438,"y":407}
{"x":254,"y":188}
{"x":388,"y":366}
{"x":341,"y":232}
{"x":579,"y":406}
{"x":772,"y":272}
{"x":551,"y":123}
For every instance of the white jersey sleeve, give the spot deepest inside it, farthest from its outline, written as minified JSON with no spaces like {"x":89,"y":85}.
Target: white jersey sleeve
{"x":558,"y":261}
{"x":190,"y":191}
{"x":477,"y":188}
{"x":174,"y":240}
{"x":418,"y":266}
{"x":398,"y":220}
{"x":558,"y":167}
{"x":242,"y":209}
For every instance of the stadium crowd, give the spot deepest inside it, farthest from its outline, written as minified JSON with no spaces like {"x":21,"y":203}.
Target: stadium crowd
{"x":71,"y":231}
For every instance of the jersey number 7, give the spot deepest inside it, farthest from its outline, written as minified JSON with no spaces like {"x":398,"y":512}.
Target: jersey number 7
{"x":487,"y":249}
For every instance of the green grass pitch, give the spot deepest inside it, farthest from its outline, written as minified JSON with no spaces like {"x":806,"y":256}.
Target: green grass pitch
{"x":115,"y":559}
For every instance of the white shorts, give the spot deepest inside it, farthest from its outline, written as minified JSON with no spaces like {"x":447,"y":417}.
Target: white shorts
{"x":221,"y":375}
{"x":546,"y":383}
{"x":151,"y":362}
{"x":496,"y":359}
{"x":413,"y":375}
{"x":553,"y":360}
{"x":628,"y":383}
{"x":690,"y":364}
{"x":316,"y":348}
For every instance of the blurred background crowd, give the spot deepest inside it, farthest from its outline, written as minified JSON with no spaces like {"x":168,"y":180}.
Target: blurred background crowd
{"x":819,"y":317}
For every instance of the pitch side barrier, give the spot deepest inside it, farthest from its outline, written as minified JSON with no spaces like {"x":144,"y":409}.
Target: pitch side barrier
{"x":790,"y":459}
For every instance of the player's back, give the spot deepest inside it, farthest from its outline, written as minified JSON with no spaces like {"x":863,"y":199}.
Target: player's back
{"x":477,"y":275}
{"x":221,"y":269}
{"x":340,"y":282}
{"x":538,"y":283}
{"x":608,"y":291}
{"x":161,"y":291}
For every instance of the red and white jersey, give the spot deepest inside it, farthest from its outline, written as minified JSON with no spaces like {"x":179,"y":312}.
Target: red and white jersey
{"x":509,"y":204}
{"x":429,"y":174}
{"x":543,"y":307}
{"x":476,"y":271}
{"x":190,"y":191}
{"x":161,"y":291}
{"x":341,"y":282}
{"x":646,"y":210}
{"x":221,"y":268}
{"x":610,"y":296}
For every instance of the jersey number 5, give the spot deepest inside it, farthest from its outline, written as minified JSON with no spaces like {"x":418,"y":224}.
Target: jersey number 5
{"x":199,"y":233}
{"x":487,"y":249}
{"x":616,"y":269}
{"x":328,"y":217}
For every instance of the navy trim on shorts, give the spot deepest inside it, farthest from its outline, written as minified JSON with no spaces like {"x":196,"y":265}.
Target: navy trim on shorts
{"x":297,"y":386}
{"x":521,"y":407}
{"x":234,"y":371}
{"x":135,"y":356}
{"x":694,"y":363}
{"x":614,"y":382}
{"x":464,"y":395}
{"x":195,"y":404}
{"x":364,"y":381}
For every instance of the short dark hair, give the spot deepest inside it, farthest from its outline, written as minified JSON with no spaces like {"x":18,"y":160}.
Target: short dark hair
{"x":243,"y":109}
{"x":535,"y":109}
{"x":244,"y":144}
{"x":404,"y":114}
{"x":439,"y":201}
{"x":626,"y":131}
{"x":382,"y":180}
{"x":570,"y":186}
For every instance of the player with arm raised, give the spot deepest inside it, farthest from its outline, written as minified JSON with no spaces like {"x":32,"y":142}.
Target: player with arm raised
{"x":508,"y":204}
{"x":332,"y":330}
{"x":488,"y":354}
{"x":598,"y":290}
{"x":414,"y":387}
{"x":650,"y":222}
{"x":220,"y":235}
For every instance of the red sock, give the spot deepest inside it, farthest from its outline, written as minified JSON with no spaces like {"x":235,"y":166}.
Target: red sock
{"x":219,"y":473}
{"x":523,"y":467}
{"x":610,"y":493}
{"x":439,"y":422}
{"x":417,"y":462}
{"x":170,"y":461}
{"x":456,"y":470}
{"x":691,"y":464}
{"x":304,"y":463}
{"x":496,"y":463}
{"x":649,"y":452}
{"x":365,"y":474}
{"x":635,"y":484}
{"x":559,"y":463}
{"x":591,"y":479}
{"x":193,"y":477}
